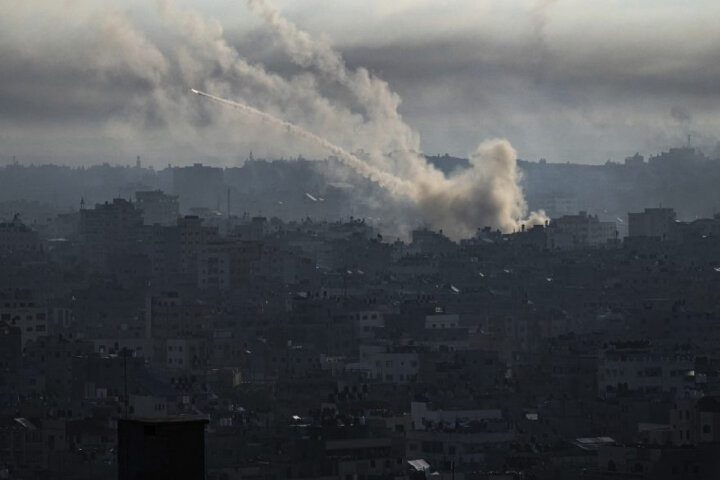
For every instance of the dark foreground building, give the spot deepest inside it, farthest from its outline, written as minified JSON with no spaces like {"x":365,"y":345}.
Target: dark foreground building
{"x":158,"y":449}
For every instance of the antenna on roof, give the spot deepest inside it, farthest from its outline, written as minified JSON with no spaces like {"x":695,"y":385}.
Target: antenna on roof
{"x":228,"y":211}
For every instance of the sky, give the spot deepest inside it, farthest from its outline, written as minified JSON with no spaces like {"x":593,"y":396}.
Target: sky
{"x":90,"y":81}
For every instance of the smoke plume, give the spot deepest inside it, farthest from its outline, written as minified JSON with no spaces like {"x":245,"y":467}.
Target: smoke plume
{"x":137,"y":79}
{"x":486,"y":194}
{"x":386,"y":180}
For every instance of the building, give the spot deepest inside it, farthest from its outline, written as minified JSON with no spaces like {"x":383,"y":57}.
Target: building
{"x":194,"y":236}
{"x":637,"y":367}
{"x":581,"y":230}
{"x":458,"y":439}
{"x":10,"y":348}
{"x":109,"y":229}
{"x":19,"y":308}
{"x":442,"y":320}
{"x":227,"y":264}
{"x":16,"y":237}
{"x":695,"y":421}
{"x":635,"y":161}
{"x":198,"y":186}
{"x":158,"y":208}
{"x":395,"y":367}
{"x":653,"y":222}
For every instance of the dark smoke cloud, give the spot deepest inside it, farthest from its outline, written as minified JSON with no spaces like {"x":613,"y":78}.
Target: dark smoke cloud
{"x":680,"y":114}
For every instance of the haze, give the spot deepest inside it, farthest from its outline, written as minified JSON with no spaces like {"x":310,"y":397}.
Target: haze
{"x":86,"y":81}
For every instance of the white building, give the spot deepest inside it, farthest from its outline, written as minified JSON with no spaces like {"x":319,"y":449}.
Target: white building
{"x":643,"y":369}
{"x":424,"y":418}
{"x":387,"y":367}
{"x":185,"y":354}
{"x":22,"y":311}
{"x":367,"y":322}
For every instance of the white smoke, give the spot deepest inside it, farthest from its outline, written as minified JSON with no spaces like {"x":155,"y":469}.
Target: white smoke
{"x":486,"y":194}
{"x":192,"y":51}
{"x":385,"y":179}
{"x":374,"y":94}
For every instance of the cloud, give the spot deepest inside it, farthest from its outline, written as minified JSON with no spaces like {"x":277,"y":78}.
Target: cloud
{"x":600,"y":81}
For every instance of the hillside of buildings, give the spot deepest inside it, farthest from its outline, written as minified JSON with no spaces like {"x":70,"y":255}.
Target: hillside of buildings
{"x":683,"y":178}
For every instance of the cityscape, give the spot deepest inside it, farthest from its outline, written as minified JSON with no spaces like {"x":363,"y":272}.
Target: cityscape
{"x":319,"y":348}
{"x":359,"y":241}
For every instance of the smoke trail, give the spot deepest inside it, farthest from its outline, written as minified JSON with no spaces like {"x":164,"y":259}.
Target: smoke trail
{"x":385,"y":179}
{"x":208,"y":61}
{"x":486,"y":194}
{"x":458,"y":204}
{"x":374,"y":94}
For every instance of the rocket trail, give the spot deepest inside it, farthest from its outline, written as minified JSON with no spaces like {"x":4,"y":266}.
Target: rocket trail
{"x":386,"y":180}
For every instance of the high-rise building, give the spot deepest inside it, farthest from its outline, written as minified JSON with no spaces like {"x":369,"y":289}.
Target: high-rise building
{"x":158,"y":208}
{"x":109,"y":228}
